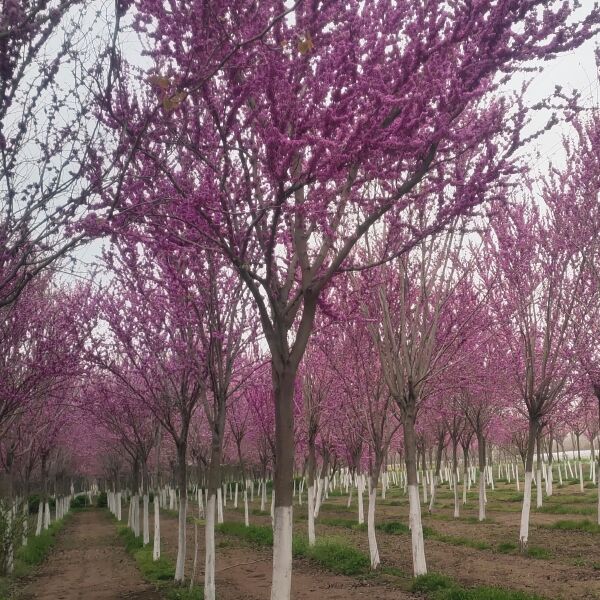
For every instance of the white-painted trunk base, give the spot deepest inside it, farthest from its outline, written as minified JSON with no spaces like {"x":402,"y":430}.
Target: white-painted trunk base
{"x":373,"y":549}
{"x":416,"y":530}
{"x":209,"y":556}
{"x":524,"y":531}
{"x":282,"y":553}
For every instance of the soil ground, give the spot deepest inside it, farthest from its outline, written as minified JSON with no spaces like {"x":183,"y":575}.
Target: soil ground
{"x":88,"y":562}
{"x":568,"y":570}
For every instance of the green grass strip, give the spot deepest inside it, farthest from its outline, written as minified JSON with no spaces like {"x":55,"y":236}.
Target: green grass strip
{"x":333,"y":554}
{"x":29,"y":556}
{"x":158,"y":572}
{"x":582,"y":525}
{"x":442,"y":587}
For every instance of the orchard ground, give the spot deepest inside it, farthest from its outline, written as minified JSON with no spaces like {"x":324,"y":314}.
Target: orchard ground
{"x":563,"y":561}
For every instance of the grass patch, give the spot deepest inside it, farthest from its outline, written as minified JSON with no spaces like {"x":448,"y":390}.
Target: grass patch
{"x":561,"y":509}
{"x":79,"y":502}
{"x":518,"y":497}
{"x":397,"y":528}
{"x":334,"y":508}
{"x":393,"y":527}
{"x":569,"y":499}
{"x":482,"y":593}
{"x":582,"y":525}
{"x":431,"y":582}
{"x":258,"y":535}
{"x":531,"y":552}
{"x":28,"y":557}
{"x":537,"y":552}
{"x":159,"y":572}
{"x":336,"y":556}
{"x":506,"y":547}
{"x":38,"y":547}
{"x":332,"y":554}
{"x":393,"y":571}
{"x":442,"y":587}
{"x":345,"y":523}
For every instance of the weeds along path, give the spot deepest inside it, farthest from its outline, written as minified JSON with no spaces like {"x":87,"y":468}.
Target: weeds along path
{"x":88,"y":562}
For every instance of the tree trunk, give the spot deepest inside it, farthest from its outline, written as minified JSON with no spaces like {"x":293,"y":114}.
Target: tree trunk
{"x":436,"y":474}
{"x":524,"y":531}
{"x":181,"y":537}
{"x":373,"y":549}
{"x":359,"y":495}
{"x":538,"y":471}
{"x":310,"y":476}
{"x":146,"y":500}
{"x":482,"y":467}
{"x":283,"y":387}
{"x":455,"y":479}
{"x":416,"y":526}
{"x":213,"y":484}
{"x":156,"y":546}
{"x":465,"y":473}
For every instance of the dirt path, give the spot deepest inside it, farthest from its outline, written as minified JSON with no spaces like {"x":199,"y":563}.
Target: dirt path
{"x":88,"y":563}
{"x":244,"y":573}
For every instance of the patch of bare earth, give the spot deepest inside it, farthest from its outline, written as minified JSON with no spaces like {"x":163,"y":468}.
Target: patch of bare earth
{"x":244,"y":573}
{"x":88,"y":562}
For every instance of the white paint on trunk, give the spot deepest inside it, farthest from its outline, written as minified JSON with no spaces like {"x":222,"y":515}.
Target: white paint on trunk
{"x":235,"y":496}
{"x":581,"y":486}
{"x":181,"y":541}
{"x":156,"y":545}
{"x":209,"y":555}
{"x":538,"y":487}
{"x":524,"y":531}
{"x":320,"y":486}
{"x":273,"y":508}
{"x":47,"y":520}
{"x":433,"y":486}
{"x":456,"y":501}
{"x":416,"y":531}
{"x":8,"y":542}
{"x":373,"y":550}
{"x":263,"y":497}
{"x":200,"y":504}
{"x":40,"y":518}
{"x":598,"y":500}
{"x":481,"y":497}
{"x":311,"y":515}
{"x":560,"y":478}
{"x":136,"y":515}
{"x":145,"y":521}
{"x":282,"y":554}
{"x":361,"y":508}
{"x":219,"y":506}
{"x":246,"y":513}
